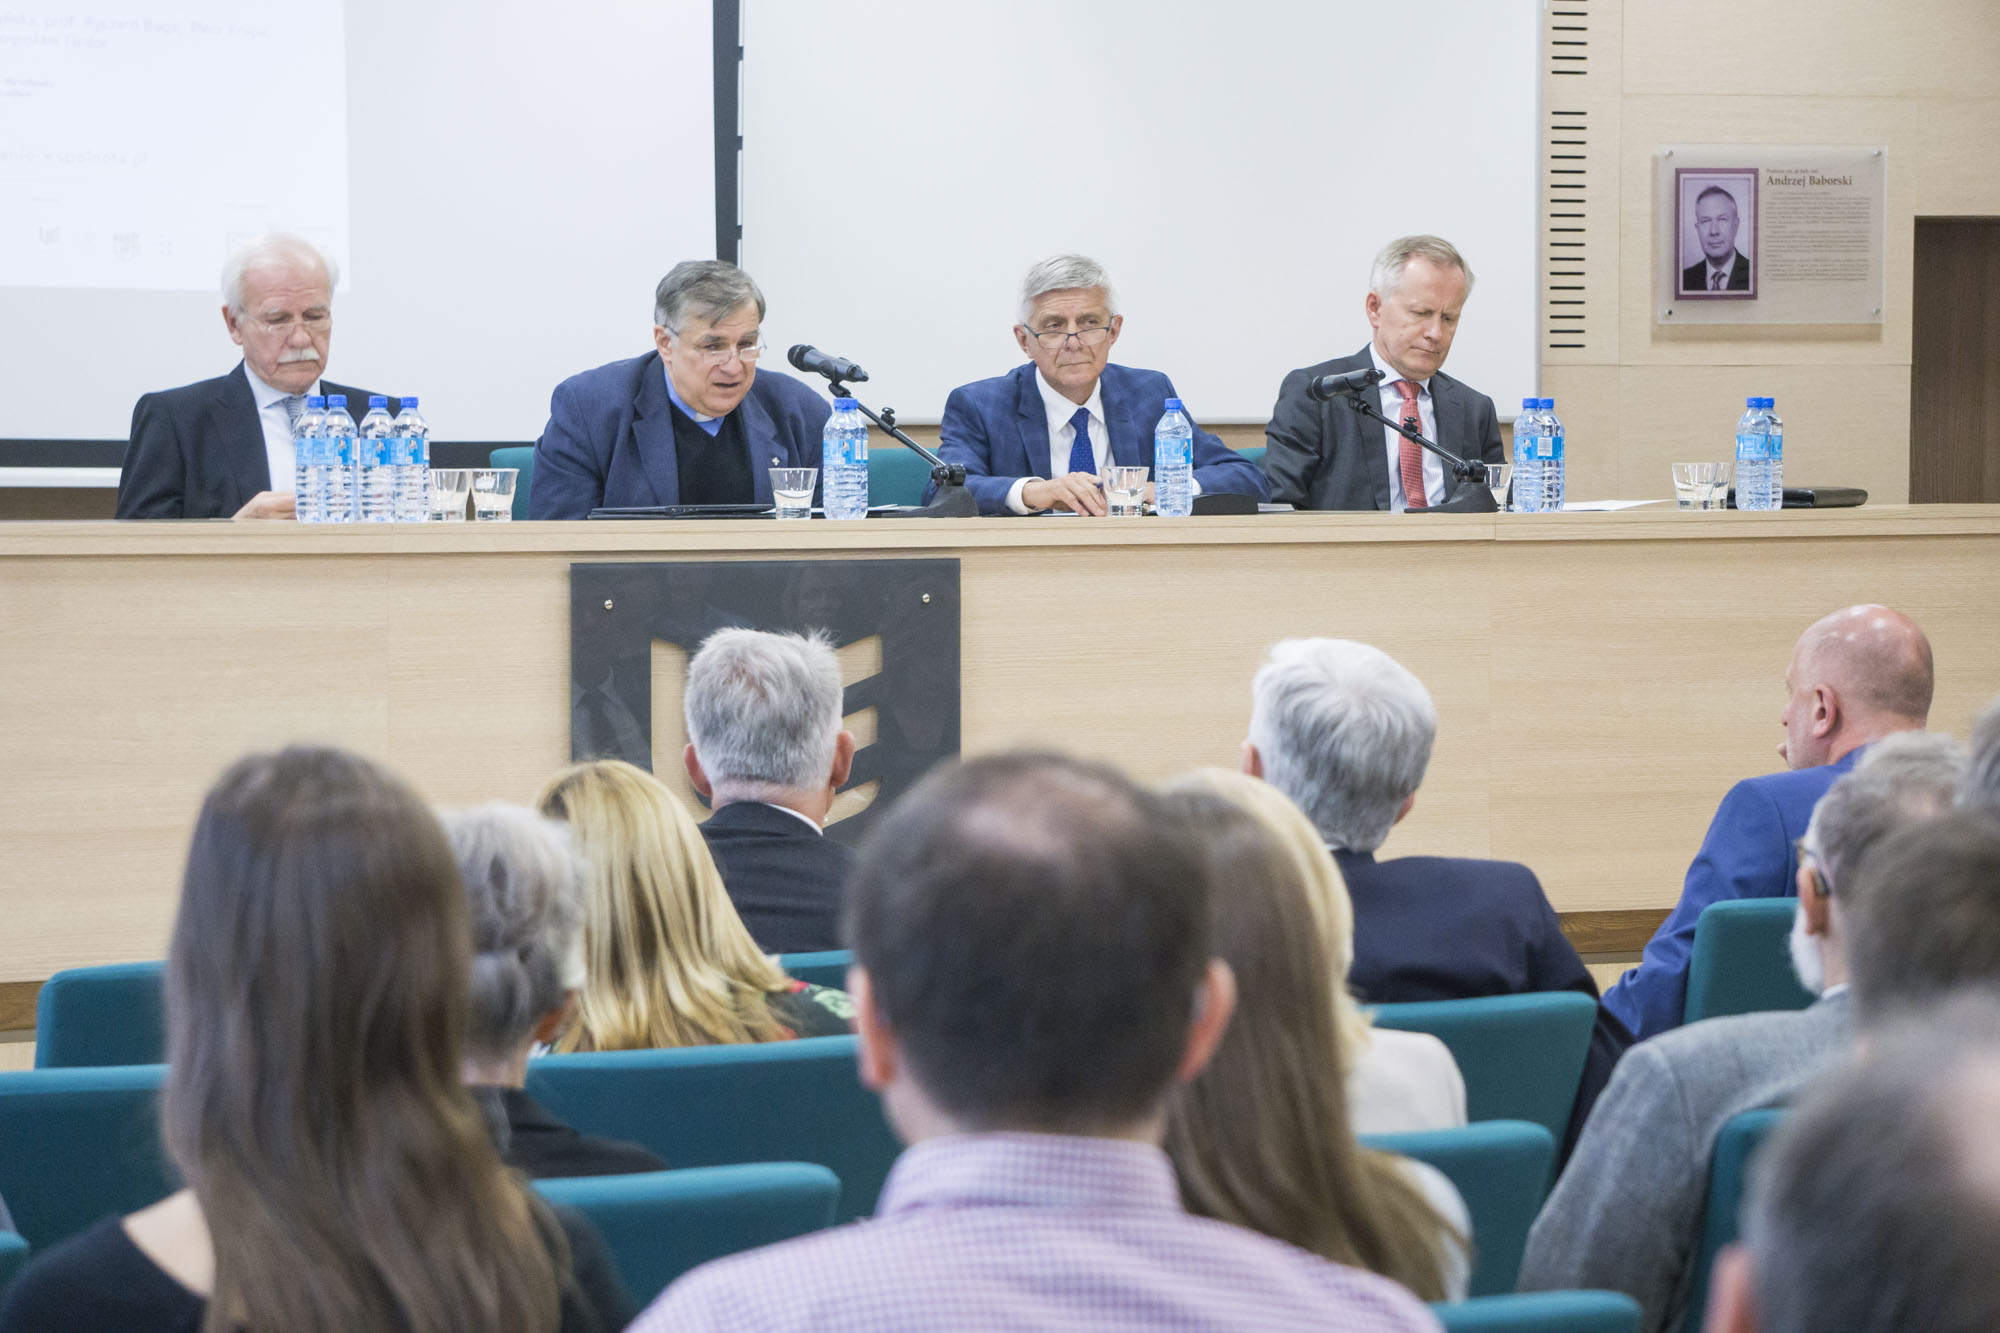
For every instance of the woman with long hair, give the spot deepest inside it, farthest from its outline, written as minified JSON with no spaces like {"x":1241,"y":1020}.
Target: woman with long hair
{"x":1262,"y":1136}
{"x":338,"y":1174}
{"x":667,"y":960}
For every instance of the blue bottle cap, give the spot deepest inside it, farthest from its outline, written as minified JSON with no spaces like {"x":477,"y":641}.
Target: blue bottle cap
{"x":1767,"y":403}
{"x":1530,"y":404}
{"x":1173,"y":404}
{"x":1547,"y":404}
{"x":846,"y":405}
{"x":378,"y":400}
{"x":315,"y":401}
{"x":336,"y":400}
{"x":409,"y":401}
{"x":1751,"y":401}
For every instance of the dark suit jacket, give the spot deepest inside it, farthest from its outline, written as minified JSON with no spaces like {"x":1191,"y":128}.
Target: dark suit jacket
{"x":1329,"y":456}
{"x":533,"y":1141}
{"x":198,"y":451}
{"x":610,"y":438}
{"x":784,"y":879}
{"x":1452,"y":928}
{"x":1694,"y":278}
{"x":999,"y":429}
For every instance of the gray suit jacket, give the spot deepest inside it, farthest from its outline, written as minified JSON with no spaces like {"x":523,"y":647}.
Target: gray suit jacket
{"x":1329,"y":456}
{"x":1626,"y":1215}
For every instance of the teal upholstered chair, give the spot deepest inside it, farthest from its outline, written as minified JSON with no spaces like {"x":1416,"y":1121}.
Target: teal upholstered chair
{"x":659,"y":1224}
{"x":896,"y":476}
{"x":1502,"y":1170}
{"x":13,"y":1255}
{"x":1255,"y":453}
{"x":520,"y":457}
{"x":827,"y":968}
{"x":777,"y":1101}
{"x":109,"y":1015}
{"x":1740,"y":964}
{"x":1522,"y":1055}
{"x":1728,"y":1182}
{"x":1543,"y":1312}
{"x":77,"y":1145}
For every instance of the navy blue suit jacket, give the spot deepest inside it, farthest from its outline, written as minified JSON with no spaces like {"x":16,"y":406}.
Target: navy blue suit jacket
{"x":610,"y":438}
{"x":198,"y":451}
{"x":999,"y":429}
{"x":1453,"y":928}
{"x":785,"y":879}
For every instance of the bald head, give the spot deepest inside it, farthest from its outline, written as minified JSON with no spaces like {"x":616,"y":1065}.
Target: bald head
{"x":1862,"y":673}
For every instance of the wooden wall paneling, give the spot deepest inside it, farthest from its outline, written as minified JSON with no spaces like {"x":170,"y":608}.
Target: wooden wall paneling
{"x":1954,"y":416}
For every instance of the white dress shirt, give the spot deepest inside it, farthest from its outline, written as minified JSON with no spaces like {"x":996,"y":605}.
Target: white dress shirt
{"x":1062,"y":437}
{"x":281,"y":452}
{"x":1392,"y":408}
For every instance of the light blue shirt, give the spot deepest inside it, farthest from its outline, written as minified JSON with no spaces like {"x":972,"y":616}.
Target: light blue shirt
{"x":713,"y":425}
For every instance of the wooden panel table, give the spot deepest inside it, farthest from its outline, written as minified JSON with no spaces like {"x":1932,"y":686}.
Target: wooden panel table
{"x":1601,"y":678}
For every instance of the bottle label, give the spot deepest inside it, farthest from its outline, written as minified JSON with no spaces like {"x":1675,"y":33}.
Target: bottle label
{"x":1552,"y":448}
{"x":375,"y":450}
{"x":1750,"y":447}
{"x":1774,"y":444}
{"x":339,"y":450}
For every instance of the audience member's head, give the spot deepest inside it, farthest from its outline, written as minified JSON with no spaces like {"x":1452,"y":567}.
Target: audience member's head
{"x":316,"y":1003}
{"x":1261,"y":1136}
{"x":1923,"y":914}
{"x":763,"y":720}
{"x":1982,"y":778}
{"x":1902,"y":779}
{"x":1874,"y":1206}
{"x":667,"y":960}
{"x":524,"y":889}
{"x":1857,"y":675}
{"x":1031,"y":941}
{"x":1345,"y":732}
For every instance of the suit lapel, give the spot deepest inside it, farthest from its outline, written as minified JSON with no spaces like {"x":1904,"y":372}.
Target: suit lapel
{"x":1374,"y":448}
{"x":1032,"y":419}
{"x":653,"y":433}
{"x":1120,"y":419}
{"x":238,"y":431}
{"x":760,"y":436}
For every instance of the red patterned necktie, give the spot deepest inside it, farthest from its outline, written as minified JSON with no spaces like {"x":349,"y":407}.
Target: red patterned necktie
{"x":1410,"y":461}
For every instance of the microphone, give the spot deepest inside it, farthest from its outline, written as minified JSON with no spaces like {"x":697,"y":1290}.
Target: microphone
{"x":1335,"y":386}
{"x":835,"y":368}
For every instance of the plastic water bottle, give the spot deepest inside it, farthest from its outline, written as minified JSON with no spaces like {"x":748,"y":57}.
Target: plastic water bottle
{"x":843,"y":461}
{"x":1552,"y":456}
{"x":1173,"y":463}
{"x":373,"y":475}
{"x":309,"y":476}
{"x":1774,"y":449}
{"x":1528,"y":457}
{"x":411,"y":458}
{"x":1753,"y":460}
{"x":337,"y":456}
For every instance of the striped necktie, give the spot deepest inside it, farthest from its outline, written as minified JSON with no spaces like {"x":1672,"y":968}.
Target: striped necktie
{"x":1410,"y":457}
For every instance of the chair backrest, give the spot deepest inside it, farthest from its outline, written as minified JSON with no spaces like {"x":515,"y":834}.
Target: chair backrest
{"x":1543,"y":1312}
{"x":108,"y":1015}
{"x":77,"y":1145}
{"x":896,"y":476}
{"x":1522,"y":1055}
{"x":1728,"y":1180}
{"x":825,"y":968}
{"x":520,"y":457}
{"x":780,"y":1101}
{"x":1740,"y":964}
{"x":14,"y":1253}
{"x":1255,"y":453}
{"x":1501,"y":1169}
{"x":659,"y":1224}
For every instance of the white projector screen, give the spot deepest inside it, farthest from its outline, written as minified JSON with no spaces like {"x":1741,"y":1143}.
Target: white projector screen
{"x":502,"y":185}
{"x":1234,"y":166}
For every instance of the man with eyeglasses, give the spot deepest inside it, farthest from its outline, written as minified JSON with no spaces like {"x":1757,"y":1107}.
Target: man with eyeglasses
{"x":690,"y":423}
{"x":223,"y":448}
{"x":1039,"y":437}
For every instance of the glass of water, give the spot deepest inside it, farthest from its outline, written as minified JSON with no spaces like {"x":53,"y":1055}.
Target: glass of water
{"x":493,"y":493}
{"x":1693,"y":483}
{"x":1124,"y":491}
{"x":449,"y":487}
{"x":1499,"y":476}
{"x":792,"y":489}
{"x":1718,"y":493}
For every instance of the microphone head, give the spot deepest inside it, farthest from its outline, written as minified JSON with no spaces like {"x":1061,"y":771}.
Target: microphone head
{"x":797,"y":356}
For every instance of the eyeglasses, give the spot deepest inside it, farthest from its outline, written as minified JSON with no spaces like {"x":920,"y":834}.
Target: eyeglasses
{"x":285,"y":323}
{"x":715,"y":356}
{"x":1055,"y":339}
{"x":1803,"y":852}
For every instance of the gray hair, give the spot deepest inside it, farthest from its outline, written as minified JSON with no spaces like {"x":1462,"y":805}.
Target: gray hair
{"x":1061,"y":273}
{"x":1899,"y":780}
{"x":707,"y":288}
{"x":1397,"y":254}
{"x":763,"y":710}
{"x":1982,"y":776}
{"x":273,"y":250}
{"x":524,"y":888}
{"x":1874,"y":1206}
{"x":1924,"y":908}
{"x":1345,"y":731}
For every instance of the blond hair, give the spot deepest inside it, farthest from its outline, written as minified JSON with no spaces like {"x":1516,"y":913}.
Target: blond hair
{"x":667,"y":960}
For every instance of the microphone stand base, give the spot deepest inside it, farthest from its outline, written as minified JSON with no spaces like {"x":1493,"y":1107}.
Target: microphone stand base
{"x":949,"y":502}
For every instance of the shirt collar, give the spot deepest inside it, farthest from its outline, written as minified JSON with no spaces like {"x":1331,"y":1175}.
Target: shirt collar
{"x":1726,"y":264}
{"x":807,"y":820}
{"x":674,"y":396}
{"x":265,"y":395}
{"x":1030,"y":1170}
{"x":1061,"y":409}
{"x":1390,"y":374}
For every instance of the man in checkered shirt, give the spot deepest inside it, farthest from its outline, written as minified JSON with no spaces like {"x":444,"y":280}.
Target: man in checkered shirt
{"x":1032,"y":976}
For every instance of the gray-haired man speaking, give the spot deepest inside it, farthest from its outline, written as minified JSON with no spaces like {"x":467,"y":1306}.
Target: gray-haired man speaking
{"x":765,"y":745}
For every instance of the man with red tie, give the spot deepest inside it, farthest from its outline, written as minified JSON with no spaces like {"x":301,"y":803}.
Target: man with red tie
{"x":1325,"y":455}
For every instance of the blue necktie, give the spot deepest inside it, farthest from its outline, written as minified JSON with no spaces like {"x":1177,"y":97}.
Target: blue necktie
{"x":1082,"y":458}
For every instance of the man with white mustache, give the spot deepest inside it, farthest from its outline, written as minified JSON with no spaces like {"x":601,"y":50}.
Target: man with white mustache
{"x":224,"y":448}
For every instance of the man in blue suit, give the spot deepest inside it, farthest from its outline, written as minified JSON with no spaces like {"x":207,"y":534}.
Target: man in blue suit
{"x":1345,"y":732}
{"x":1856,"y":676}
{"x":1037,"y":437}
{"x":691,"y":422}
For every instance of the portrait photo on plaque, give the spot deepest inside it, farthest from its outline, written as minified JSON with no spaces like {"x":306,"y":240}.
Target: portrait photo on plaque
{"x":1716,"y":212}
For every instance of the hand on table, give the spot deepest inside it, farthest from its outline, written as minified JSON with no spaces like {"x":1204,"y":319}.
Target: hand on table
{"x":269,"y":504}
{"x":1077,"y":490}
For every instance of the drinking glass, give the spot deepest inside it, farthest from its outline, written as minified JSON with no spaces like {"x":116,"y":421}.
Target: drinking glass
{"x":1124,"y":491}
{"x":1718,"y":493}
{"x":449,"y":487}
{"x":493,"y":493}
{"x":1499,"y":476}
{"x":1692,"y":483}
{"x":792,"y":489}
